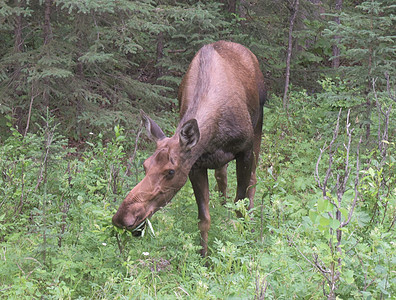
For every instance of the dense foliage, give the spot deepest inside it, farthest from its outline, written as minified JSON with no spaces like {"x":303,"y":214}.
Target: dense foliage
{"x":57,"y":240}
{"x":73,"y":75}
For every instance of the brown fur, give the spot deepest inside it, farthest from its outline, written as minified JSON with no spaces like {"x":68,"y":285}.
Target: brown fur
{"x":221,"y":98}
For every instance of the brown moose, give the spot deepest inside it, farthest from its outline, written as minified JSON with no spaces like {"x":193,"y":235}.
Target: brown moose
{"x":221,"y":101}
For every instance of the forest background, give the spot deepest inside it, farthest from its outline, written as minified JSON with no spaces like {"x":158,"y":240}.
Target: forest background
{"x":73,"y":77}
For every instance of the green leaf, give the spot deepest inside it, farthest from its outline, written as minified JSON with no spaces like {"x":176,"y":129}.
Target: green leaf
{"x":344,"y":212}
{"x":348,"y":276}
{"x":150,"y":226}
{"x":363,"y":218}
{"x":313,"y":215}
{"x":322,"y":205}
{"x":335,"y":224}
{"x":324,"y":221}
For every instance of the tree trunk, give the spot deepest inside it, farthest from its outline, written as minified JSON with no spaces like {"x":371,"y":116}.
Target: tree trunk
{"x":81,"y":38}
{"x":336,"y":50}
{"x":47,"y":22}
{"x":231,"y":6}
{"x":242,"y":11}
{"x":160,"y":54}
{"x":47,"y":39}
{"x":18,"y":45}
{"x":293,"y":11}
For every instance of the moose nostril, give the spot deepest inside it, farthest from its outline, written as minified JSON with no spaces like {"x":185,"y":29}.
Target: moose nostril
{"x":116,"y":222}
{"x":127,"y":222}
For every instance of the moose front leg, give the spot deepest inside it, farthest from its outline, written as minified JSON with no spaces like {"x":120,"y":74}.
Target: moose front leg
{"x":199,"y":181}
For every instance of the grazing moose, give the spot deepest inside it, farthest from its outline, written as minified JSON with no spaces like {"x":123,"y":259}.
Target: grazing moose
{"x":221,"y":101}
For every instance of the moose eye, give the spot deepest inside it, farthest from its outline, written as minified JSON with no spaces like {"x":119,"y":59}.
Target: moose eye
{"x":171,"y":172}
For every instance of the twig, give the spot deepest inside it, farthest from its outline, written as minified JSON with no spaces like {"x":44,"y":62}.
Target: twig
{"x":332,"y":273}
{"x":19,"y":267}
{"x":21,"y":199}
{"x":382,"y":136}
{"x":177,"y":51}
{"x":180,"y":288}
{"x":392,"y":224}
{"x":132,"y":158}
{"x":315,"y":265}
{"x":350,"y":212}
{"x":347,"y":170}
{"x":119,"y":244}
{"x":365,"y":274}
{"x":30,"y":110}
{"x":323,"y":186}
{"x":393,"y":97}
{"x":293,"y":11}
{"x":65,"y":210}
{"x":264,"y":285}
{"x":50,"y":137}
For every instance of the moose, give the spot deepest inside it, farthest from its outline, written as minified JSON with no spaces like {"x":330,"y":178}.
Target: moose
{"x":221,"y":100}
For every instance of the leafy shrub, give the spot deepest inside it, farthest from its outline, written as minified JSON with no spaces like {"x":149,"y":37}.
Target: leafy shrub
{"x":57,"y":240}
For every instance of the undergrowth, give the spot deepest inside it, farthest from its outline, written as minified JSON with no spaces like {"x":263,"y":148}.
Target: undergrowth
{"x":57,"y":240}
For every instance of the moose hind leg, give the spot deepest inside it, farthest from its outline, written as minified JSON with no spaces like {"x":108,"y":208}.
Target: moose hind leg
{"x":244,"y":163}
{"x":256,"y":153}
{"x":199,"y":181}
{"x":221,"y":178}
{"x":254,"y":162}
{"x":252,"y":188}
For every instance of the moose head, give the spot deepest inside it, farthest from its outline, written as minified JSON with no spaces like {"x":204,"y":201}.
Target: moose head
{"x":166,"y":173}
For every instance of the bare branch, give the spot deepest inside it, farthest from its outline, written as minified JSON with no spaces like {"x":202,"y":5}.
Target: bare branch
{"x":317,"y":177}
{"x":342,"y":188}
{"x":323,"y":186}
{"x":33,"y":96}
{"x":264,"y":285}
{"x":350,"y":212}
{"x":131,"y":159}
{"x":382,"y":136}
{"x":392,"y":96}
{"x":293,"y":11}
{"x":50,"y":137}
{"x":315,"y":264}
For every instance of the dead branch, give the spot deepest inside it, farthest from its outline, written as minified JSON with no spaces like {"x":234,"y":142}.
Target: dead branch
{"x":264,"y":285}
{"x":391,"y":95}
{"x":332,"y":273}
{"x":322,"y":270}
{"x":347,"y":147}
{"x":132,"y":158}
{"x":323,"y":186}
{"x":382,"y":135}
{"x":33,"y":96}
{"x":293,"y":11}
{"x":366,"y":285}
{"x":177,"y":50}
{"x":350,"y":212}
{"x":50,"y":137}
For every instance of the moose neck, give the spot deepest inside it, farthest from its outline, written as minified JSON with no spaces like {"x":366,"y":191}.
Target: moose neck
{"x":199,"y":100}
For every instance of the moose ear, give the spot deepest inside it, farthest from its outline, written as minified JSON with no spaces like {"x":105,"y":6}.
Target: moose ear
{"x":189,"y":134}
{"x":154,"y":132}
